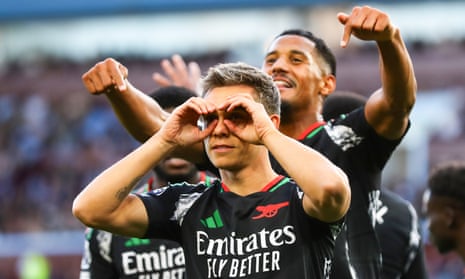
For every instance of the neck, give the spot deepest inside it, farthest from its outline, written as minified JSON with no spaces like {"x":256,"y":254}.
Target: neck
{"x":295,"y":126}
{"x":248,"y":180}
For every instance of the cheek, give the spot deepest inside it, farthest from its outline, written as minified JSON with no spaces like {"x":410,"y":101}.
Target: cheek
{"x":267,"y":69}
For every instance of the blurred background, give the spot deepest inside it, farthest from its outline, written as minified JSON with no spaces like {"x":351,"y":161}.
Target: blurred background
{"x":55,"y":137}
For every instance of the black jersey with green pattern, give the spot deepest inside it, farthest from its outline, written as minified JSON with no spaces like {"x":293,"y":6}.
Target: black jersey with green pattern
{"x":110,"y":256}
{"x":266,"y":234}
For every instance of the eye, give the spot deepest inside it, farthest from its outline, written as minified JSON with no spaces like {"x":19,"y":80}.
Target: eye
{"x":209,"y":118}
{"x":296,"y":60}
{"x":270,"y":60}
{"x":238,"y":117}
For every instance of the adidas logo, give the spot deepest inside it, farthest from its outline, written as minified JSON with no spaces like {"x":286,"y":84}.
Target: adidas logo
{"x":213,"y":222}
{"x":136,"y":242}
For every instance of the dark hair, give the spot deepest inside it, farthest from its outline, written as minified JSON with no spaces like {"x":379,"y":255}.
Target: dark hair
{"x":320,"y":45}
{"x":341,"y":102}
{"x":448,"y":180}
{"x":172,"y":96}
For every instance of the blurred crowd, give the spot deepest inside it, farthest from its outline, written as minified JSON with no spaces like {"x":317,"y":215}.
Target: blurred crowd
{"x":50,"y":146}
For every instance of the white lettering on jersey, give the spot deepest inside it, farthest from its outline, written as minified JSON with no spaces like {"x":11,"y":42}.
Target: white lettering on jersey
{"x":163,"y":259}
{"x":251,"y":253}
{"x":104,"y":244}
{"x":374,"y":203}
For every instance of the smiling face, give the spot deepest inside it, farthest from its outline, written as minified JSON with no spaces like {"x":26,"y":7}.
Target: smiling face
{"x":225,"y":150}
{"x":297,"y":70}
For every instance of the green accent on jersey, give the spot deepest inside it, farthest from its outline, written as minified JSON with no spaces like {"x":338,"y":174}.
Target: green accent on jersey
{"x":88,"y":233}
{"x":209,"y":181}
{"x":134,"y":241}
{"x":281,"y":183}
{"x":214,"y":221}
{"x":314,"y":132}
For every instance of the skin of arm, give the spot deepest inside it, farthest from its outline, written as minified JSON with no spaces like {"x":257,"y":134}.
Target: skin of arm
{"x":387,"y":110}
{"x":325,"y":186}
{"x":107,"y":203}
{"x":138,"y":112}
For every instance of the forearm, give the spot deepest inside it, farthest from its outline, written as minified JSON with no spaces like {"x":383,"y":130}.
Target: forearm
{"x":326,"y":188}
{"x":105,"y":203}
{"x":138,"y":112}
{"x":397,"y":74}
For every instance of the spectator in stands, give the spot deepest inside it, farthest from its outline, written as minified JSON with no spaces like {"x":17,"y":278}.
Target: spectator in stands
{"x":445,"y":207}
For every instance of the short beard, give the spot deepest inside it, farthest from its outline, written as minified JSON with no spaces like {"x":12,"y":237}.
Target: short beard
{"x":286,"y":111}
{"x":177,"y":178}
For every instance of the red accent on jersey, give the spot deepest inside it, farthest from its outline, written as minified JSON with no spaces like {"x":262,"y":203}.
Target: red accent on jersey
{"x":310,"y":129}
{"x":272,"y":183}
{"x":270,"y":210}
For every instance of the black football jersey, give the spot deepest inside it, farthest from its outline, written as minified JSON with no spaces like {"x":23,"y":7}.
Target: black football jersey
{"x":263,"y":235}
{"x":399,"y":236}
{"x":110,"y":256}
{"x":350,"y":143}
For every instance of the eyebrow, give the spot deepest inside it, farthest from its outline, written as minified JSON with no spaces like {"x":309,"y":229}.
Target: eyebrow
{"x":293,"y":51}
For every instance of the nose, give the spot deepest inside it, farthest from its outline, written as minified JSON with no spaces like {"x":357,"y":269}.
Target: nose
{"x":279,"y":66}
{"x":221,"y":129}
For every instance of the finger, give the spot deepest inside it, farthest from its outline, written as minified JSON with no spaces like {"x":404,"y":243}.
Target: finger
{"x":200,"y":106}
{"x":382,"y":23}
{"x":367,"y":20}
{"x":113,"y":75}
{"x":182,"y":76}
{"x":343,"y":18}
{"x":88,"y":83}
{"x":168,"y":69}
{"x":195,"y":73}
{"x":207,"y":130}
{"x":161,"y":80}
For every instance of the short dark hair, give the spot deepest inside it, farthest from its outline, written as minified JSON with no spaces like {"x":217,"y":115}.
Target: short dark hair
{"x":341,"y":102}
{"x":448,"y":180}
{"x":320,"y":45}
{"x":172,"y":96}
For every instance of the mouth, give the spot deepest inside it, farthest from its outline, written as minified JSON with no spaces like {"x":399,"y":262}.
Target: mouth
{"x":283,"y":82}
{"x":176,"y":163}
{"x":221,"y":147}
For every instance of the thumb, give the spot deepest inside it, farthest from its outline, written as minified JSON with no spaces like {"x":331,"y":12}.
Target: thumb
{"x":343,"y":18}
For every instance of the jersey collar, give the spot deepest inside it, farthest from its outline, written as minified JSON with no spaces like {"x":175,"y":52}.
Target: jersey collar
{"x":270,"y":187}
{"x":312,"y":130}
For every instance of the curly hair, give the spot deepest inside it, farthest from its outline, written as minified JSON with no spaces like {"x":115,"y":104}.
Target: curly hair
{"x":448,"y":180}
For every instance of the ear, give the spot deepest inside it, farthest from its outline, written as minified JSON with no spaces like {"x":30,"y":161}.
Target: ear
{"x":276,"y":120}
{"x":328,"y":85}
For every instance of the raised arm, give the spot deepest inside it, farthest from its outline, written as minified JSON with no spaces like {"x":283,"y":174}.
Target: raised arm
{"x":388,"y":109}
{"x":139,"y":114}
{"x":106,"y":203}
